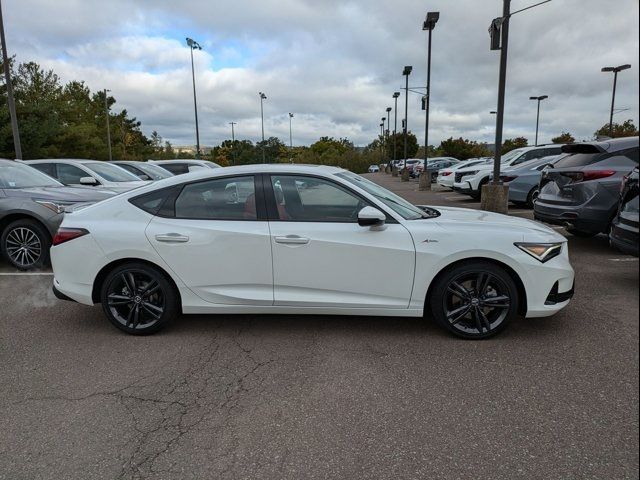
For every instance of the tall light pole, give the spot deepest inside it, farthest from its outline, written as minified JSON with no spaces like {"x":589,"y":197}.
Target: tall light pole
{"x":406,"y":72}
{"x":106,"y":111}
{"x":382,"y":137}
{"x":290,"y":134}
{"x":17,"y":146}
{"x":233,"y":142}
{"x":539,"y":99}
{"x":388,"y":110}
{"x":263,"y":97}
{"x":193,"y":45}
{"x":428,"y":25}
{"x":395,"y":122}
{"x":615,"y":71}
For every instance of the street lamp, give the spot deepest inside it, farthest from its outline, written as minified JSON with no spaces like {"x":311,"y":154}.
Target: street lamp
{"x":406,"y":72}
{"x":395,"y":121}
{"x":290,"y":134}
{"x":233,"y":142}
{"x":382,"y":136}
{"x":428,"y":25}
{"x":615,"y":71}
{"x":539,"y":99}
{"x":193,"y":45}
{"x":17,"y":146}
{"x":106,"y":111}
{"x":262,"y":98}
{"x":388,"y":110}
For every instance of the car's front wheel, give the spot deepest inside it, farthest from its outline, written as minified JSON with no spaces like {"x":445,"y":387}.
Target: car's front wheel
{"x":474,"y":300}
{"x":138,"y":299}
{"x":25,"y":244}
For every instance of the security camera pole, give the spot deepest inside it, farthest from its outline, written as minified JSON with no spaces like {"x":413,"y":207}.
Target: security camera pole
{"x":233,"y":141}
{"x":10,"y":99}
{"x":395,"y":126}
{"x":263,"y":97}
{"x":106,"y":111}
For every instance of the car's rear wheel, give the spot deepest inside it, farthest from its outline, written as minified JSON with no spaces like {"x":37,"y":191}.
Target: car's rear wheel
{"x":474,"y":300}
{"x":139,"y":299}
{"x":26,"y":244}
{"x":533,"y":196}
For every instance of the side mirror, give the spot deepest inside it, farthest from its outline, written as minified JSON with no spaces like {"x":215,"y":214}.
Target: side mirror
{"x":371,"y":217}
{"x":88,"y":181}
{"x":144,"y":176}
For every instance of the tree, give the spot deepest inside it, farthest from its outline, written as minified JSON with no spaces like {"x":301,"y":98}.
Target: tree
{"x":513,"y":143}
{"x":274,"y":150}
{"x":625,"y":129}
{"x":564,"y":137}
{"x":462,"y":149}
{"x":398,"y":139}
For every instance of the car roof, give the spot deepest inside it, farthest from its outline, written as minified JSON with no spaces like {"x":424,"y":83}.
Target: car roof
{"x":608,"y":145}
{"x":72,"y":161}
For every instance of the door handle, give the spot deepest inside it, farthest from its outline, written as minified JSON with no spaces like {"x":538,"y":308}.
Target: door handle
{"x":292,"y":240}
{"x":172,"y":238}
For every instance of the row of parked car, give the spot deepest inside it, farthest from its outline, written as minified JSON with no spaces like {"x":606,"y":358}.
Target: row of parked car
{"x":589,"y":187}
{"x":34,"y":195}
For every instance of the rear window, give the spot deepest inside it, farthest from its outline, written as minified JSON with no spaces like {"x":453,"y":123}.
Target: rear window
{"x":589,"y":158}
{"x":159,"y":202}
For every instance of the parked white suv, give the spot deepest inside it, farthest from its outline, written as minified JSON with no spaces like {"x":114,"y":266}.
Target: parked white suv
{"x":89,"y":173}
{"x":447,"y":175}
{"x":471,"y":179}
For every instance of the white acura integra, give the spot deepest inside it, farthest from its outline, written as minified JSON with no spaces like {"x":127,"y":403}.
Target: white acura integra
{"x":304,"y":239}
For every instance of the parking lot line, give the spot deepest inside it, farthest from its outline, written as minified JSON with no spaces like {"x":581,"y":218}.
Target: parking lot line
{"x":25,"y":274}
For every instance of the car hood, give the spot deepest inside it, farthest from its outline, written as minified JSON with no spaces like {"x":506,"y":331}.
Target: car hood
{"x":468,"y":219}
{"x":61,"y":194}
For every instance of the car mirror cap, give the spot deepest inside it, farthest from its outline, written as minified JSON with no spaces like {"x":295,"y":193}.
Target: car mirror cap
{"x":371,"y":217}
{"x":88,"y":181}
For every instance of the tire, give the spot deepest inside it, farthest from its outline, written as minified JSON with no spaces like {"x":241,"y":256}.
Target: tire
{"x":25,"y":244}
{"x":458,"y":308}
{"x":581,"y":233}
{"x":139,"y":299}
{"x":533,"y":196}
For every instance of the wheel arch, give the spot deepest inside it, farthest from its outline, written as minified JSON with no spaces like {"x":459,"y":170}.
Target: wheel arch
{"x":14,"y":216}
{"x":522,"y":293}
{"x":104,"y":271}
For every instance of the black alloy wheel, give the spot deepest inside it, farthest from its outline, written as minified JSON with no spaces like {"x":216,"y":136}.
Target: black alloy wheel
{"x":138,"y":299}
{"x":25,"y":244}
{"x":475,"y":300}
{"x":533,"y":196}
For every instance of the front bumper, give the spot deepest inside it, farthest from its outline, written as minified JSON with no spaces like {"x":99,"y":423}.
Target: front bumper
{"x":462,"y":187}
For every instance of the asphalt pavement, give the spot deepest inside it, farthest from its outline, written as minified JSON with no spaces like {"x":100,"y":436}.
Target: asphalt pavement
{"x":319,"y":397}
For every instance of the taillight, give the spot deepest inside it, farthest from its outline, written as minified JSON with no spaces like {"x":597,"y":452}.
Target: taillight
{"x":66,"y":234}
{"x":507,"y":178}
{"x":588,"y":175}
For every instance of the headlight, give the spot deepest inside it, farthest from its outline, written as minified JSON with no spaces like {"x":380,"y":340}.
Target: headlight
{"x":540,"y":251}
{"x":54,"y":206}
{"x":464,"y":174}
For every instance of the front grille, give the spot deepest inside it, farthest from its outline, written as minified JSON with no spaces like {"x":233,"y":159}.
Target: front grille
{"x":459,"y":177}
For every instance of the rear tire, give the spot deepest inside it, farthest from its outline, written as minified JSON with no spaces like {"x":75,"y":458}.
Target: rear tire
{"x":139,"y":299}
{"x":25,"y":244}
{"x":474,"y":300}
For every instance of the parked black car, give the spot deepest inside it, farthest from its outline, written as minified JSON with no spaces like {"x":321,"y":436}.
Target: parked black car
{"x":581,"y":189}
{"x":624,"y":228}
{"x":32,"y":205}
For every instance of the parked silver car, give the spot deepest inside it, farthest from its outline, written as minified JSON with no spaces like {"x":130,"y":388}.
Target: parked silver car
{"x":524,"y":180}
{"x":143,"y":170}
{"x":180,"y":166}
{"x":31,"y":209}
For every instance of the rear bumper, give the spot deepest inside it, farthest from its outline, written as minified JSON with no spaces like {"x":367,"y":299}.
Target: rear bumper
{"x":59,"y":295}
{"x":579,"y":217}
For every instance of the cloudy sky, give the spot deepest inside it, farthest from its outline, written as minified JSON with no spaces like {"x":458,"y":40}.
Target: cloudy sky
{"x":336,"y":63}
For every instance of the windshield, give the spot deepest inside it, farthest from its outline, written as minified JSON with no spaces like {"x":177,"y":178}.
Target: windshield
{"x":391,"y":200}
{"x":510,"y":155}
{"x":17,"y":175}
{"x":111,"y":173}
{"x":153,"y":171}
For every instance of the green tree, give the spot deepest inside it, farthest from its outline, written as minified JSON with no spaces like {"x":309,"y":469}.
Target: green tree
{"x":624,"y":129}
{"x":564,"y":137}
{"x":398,"y":140}
{"x":462,"y":149}
{"x":513,"y":143}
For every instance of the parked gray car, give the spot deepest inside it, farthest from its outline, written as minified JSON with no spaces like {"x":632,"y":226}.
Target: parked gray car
{"x":524,"y":180}
{"x":31,"y":209}
{"x":581,"y":190}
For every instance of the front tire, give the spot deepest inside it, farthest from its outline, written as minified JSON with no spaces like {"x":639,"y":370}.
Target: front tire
{"x":474,"y":300}
{"x":25,"y":244}
{"x":533,"y":196}
{"x":139,"y":299}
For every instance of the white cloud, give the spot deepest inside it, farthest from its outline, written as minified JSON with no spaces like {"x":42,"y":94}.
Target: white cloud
{"x":335,"y":63}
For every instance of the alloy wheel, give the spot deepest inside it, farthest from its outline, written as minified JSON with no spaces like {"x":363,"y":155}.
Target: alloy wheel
{"x":136,"y":299}
{"x":23,"y":246}
{"x":476,"y":303}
